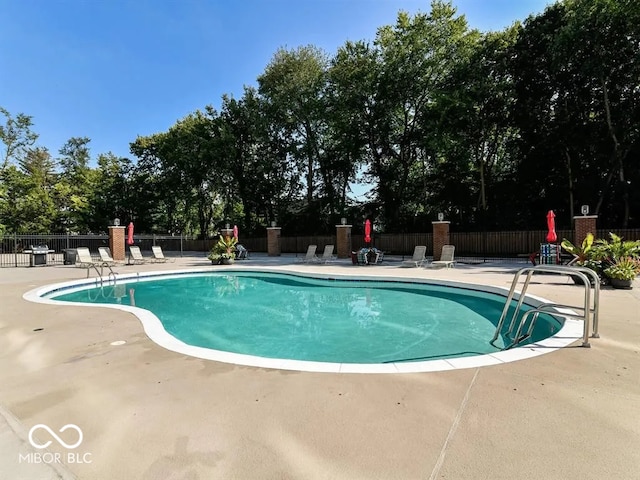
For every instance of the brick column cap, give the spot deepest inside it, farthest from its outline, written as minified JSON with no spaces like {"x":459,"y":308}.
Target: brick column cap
{"x":344,"y":226}
{"x":585,"y":216}
{"x":117,"y":226}
{"x":440,"y":221}
{"x":274,"y":228}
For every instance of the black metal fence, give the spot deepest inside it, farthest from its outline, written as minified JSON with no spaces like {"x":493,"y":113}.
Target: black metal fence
{"x":470,"y":246}
{"x":15,"y":250}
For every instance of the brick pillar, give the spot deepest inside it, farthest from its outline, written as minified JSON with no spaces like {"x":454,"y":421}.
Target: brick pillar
{"x":226,"y":232}
{"x":343,"y":239}
{"x":581,"y":226}
{"x":440,"y":237}
{"x":273,"y":241}
{"x":116,"y":242}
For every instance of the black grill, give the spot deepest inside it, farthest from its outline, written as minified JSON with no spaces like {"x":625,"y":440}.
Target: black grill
{"x":38,"y":255}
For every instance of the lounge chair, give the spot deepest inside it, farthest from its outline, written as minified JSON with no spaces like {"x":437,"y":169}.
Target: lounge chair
{"x":135,"y":255}
{"x":84,"y":260}
{"x":446,"y":257}
{"x":83,"y":257}
{"x":310,"y":257}
{"x":158,"y":254}
{"x":105,"y":256}
{"x":417,"y":260}
{"x":327,"y":255}
{"x":241,"y":252}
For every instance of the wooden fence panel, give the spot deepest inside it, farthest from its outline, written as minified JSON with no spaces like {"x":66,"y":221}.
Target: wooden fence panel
{"x":300,"y":244}
{"x":402,"y":244}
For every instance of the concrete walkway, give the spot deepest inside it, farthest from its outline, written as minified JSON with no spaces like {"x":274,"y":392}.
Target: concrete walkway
{"x":149,"y":413}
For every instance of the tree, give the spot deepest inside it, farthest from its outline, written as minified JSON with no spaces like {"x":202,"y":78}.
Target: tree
{"x":17,"y":137}
{"x":27,"y":205}
{"x":476,"y":124}
{"x":575,"y":68}
{"x":600,"y":46}
{"x":416,"y":55}
{"x":293,"y":85}
{"x":74,"y":189}
{"x":111,"y":192}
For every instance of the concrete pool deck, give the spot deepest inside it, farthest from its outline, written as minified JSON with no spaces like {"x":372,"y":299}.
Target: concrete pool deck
{"x":149,"y":413}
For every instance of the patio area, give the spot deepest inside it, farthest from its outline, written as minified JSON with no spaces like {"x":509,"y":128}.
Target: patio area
{"x":149,"y":413}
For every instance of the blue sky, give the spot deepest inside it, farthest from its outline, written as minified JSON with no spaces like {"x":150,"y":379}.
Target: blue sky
{"x":111,"y":70}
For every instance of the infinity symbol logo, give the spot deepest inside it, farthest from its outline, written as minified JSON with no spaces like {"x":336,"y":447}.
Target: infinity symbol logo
{"x":53,"y":434}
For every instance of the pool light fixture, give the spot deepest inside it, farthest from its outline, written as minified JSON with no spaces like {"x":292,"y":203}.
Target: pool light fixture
{"x":584,"y":209}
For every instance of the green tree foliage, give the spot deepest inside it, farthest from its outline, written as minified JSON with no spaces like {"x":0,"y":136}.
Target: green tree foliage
{"x":16,"y":137}
{"x":493,"y":129}
{"x":293,"y":85}
{"x":111,"y":192}
{"x":476,"y":136}
{"x":576,"y":68}
{"x":74,"y":189}
{"x":27,"y":204}
{"x":416,"y":55}
{"x":256,"y":160}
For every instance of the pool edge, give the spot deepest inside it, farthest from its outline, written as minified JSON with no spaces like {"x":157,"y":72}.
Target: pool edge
{"x":570,"y":331}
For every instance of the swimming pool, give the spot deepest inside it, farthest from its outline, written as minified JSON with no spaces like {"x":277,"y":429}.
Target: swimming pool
{"x":286,"y":320}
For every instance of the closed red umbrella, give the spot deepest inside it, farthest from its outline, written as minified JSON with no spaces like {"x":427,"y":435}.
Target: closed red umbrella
{"x":367,"y":231}
{"x":235,"y":232}
{"x":551,"y":225}
{"x":130,"y":234}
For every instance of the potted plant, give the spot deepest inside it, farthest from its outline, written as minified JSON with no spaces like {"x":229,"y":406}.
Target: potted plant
{"x":223,"y":252}
{"x":584,"y":255}
{"x":610,"y":251}
{"x":622,"y":272}
{"x":616,"y":251}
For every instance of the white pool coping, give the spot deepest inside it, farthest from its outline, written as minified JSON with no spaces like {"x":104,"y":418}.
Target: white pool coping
{"x":571,"y":330}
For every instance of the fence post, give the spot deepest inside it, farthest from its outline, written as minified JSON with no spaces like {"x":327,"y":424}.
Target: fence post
{"x":440,"y":237}
{"x":116,"y":242}
{"x":180,"y":244}
{"x":343,"y":239}
{"x":15,"y":248}
{"x":273,"y":241}
{"x":583,"y":224}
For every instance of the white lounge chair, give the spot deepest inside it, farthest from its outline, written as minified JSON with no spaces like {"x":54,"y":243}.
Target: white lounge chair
{"x":105,"y":256}
{"x":158,"y":254}
{"x":446,"y":257}
{"x":417,"y":260}
{"x":327,"y":255}
{"x":84,"y":260}
{"x":135,"y":255}
{"x":310,"y":257}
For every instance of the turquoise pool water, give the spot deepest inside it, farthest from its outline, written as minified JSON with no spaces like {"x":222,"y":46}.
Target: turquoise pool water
{"x":293,"y":317}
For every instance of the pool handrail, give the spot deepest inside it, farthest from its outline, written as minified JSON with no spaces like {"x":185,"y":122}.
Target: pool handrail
{"x":582,"y":273}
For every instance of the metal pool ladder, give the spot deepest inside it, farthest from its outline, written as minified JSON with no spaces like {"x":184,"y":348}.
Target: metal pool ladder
{"x":100,"y":278}
{"x":585,"y":274}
